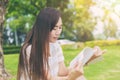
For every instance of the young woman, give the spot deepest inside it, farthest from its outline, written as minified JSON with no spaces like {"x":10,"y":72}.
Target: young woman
{"x":41,"y":57}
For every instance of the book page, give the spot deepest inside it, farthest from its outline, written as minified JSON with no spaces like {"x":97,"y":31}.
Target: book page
{"x":100,"y":58}
{"x":83,"y":56}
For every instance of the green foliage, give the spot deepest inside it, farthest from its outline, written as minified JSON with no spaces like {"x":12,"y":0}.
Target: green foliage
{"x":110,"y":31}
{"x":24,"y":7}
{"x":109,"y":17}
{"x":110,"y":28}
{"x":77,"y":45}
{"x":22,"y":23}
{"x":11,"y":49}
{"x":25,"y":11}
{"x":21,"y":12}
{"x":78,"y":25}
{"x":102,"y":43}
{"x":21,"y":15}
{"x":20,"y":18}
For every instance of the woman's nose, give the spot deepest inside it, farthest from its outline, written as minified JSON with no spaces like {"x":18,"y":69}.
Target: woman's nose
{"x":58,"y":32}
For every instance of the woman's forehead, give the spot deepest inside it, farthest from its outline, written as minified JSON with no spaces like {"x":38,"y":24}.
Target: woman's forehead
{"x":59,"y":23}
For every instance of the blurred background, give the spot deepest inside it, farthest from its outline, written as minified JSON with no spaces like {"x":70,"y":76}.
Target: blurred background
{"x":82,"y":20}
{"x":85,"y":23}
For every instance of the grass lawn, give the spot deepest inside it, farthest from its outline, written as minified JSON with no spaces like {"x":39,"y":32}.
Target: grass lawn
{"x":108,"y":69}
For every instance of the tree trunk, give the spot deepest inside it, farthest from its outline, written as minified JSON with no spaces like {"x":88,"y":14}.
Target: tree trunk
{"x":16,"y":38}
{"x":3,"y":74}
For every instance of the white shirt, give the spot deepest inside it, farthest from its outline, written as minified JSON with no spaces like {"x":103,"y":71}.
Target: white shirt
{"x":56,"y":56}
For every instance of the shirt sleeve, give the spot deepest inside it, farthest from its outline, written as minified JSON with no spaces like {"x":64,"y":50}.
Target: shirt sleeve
{"x":24,"y":75}
{"x":28,"y":50}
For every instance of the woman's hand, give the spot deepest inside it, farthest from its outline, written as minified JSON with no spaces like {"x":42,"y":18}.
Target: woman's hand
{"x":97,"y":52}
{"x":76,"y":71}
{"x":78,"y":67}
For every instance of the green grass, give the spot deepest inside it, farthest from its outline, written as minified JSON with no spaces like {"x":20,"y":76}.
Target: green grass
{"x":108,"y":69}
{"x":11,"y":64}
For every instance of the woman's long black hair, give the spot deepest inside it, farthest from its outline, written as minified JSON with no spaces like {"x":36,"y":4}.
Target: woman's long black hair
{"x":36,"y":67}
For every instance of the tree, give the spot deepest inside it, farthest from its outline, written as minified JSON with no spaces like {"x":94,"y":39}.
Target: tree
{"x":78,"y":25}
{"x":3,"y":73}
{"x":110,"y":28}
{"x":23,"y":12}
{"x":107,"y":13}
{"x":20,"y":17}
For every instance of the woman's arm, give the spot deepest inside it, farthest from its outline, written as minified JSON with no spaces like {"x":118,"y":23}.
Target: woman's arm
{"x":63,"y":70}
{"x":69,"y":73}
{"x":50,"y":77}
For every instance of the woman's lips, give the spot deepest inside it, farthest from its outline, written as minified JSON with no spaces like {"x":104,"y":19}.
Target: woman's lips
{"x":56,"y":38}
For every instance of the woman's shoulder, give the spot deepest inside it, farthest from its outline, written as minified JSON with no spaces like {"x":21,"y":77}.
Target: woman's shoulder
{"x":28,"y":50}
{"x":55,"y":44}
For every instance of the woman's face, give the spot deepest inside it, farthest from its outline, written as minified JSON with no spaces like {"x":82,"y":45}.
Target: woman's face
{"x":56,"y":31}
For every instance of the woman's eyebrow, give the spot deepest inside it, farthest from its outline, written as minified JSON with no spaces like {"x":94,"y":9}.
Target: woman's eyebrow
{"x":58,"y":26}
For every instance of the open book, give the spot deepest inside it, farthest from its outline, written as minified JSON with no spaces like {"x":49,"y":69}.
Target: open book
{"x":84,"y":56}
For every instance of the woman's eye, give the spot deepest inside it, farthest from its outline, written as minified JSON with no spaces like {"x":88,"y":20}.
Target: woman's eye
{"x":60,"y":27}
{"x":55,"y":28}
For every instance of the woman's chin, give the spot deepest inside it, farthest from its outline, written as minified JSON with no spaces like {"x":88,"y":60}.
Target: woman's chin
{"x":53,"y":41}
